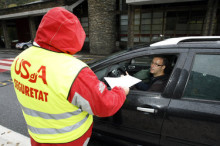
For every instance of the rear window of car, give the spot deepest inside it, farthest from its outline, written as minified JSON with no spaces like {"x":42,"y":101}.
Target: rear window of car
{"x":204,"y":80}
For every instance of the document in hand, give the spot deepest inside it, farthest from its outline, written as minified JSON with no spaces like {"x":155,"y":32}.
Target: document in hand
{"x":123,"y":81}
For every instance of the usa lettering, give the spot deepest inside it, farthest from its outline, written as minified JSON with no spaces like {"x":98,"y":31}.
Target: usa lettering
{"x":22,"y":68}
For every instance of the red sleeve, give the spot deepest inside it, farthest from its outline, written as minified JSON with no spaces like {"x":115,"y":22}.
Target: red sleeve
{"x":92,"y":95}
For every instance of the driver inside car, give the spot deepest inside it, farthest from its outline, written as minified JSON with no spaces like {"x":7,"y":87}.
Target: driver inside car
{"x":157,"y":76}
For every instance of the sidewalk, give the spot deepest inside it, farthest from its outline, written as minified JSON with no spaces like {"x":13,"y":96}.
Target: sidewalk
{"x":9,"y":137}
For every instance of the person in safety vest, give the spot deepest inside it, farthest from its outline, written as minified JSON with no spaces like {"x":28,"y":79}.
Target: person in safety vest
{"x":58,"y":93}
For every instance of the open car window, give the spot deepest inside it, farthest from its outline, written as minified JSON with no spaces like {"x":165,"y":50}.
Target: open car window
{"x":138,"y":67}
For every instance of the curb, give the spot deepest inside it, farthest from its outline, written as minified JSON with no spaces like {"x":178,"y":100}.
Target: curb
{"x":9,"y":137}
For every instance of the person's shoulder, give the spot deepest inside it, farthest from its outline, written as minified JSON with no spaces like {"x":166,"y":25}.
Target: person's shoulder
{"x":166,"y":77}
{"x":161,"y":79}
{"x":85,"y":70}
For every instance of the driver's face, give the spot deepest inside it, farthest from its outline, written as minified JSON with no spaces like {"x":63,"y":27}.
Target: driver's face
{"x":157,"y":67}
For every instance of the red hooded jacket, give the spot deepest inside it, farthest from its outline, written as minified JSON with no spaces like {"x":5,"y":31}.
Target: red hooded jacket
{"x":61,"y":31}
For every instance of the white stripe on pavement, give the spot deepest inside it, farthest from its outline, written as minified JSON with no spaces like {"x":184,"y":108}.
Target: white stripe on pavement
{"x":5,"y":67}
{"x":7,"y":62}
{"x":11,"y":138}
{"x":10,"y":59}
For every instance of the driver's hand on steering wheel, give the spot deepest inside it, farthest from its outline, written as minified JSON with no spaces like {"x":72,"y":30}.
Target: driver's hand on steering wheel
{"x":126,"y":74}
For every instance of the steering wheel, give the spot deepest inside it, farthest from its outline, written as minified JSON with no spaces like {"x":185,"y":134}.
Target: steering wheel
{"x":117,"y":72}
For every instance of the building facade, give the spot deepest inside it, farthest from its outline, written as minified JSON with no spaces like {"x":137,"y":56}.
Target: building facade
{"x":113,"y":25}
{"x":154,"y":20}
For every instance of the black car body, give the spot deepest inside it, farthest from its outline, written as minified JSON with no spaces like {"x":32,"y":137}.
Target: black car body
{"x":186,"y":113}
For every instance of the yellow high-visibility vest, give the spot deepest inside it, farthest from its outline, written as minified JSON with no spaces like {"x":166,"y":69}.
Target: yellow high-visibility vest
{"x":42,"y":81}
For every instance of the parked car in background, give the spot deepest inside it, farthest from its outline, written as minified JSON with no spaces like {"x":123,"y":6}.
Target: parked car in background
{"x":13,"y":43}
{"x":24,"y":45}
{"x":186,"y":113}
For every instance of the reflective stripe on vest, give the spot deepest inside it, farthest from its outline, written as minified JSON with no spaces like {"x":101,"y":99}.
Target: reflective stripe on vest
{"x":42,"y":82}
{"x":57,"y":131}
{"x":43,"y":115}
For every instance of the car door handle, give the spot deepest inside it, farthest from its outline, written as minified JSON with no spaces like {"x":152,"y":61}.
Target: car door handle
{"x":148,"y":110}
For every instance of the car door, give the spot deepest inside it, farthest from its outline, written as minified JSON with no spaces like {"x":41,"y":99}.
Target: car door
{"x":193,"y":118}
{"x":141,"y":117}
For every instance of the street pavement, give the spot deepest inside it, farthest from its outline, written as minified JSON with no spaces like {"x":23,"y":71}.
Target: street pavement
{"x":13,"y":130}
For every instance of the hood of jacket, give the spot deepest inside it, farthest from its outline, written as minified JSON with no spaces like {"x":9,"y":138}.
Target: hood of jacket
{"x":60,"y":31}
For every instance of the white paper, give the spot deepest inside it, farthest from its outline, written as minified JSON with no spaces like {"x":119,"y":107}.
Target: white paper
{"x":123,"y":81}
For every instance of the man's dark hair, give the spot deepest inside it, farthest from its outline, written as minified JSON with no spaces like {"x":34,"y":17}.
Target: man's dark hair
{"x":165,"y":63}
{"x":165,"y":60}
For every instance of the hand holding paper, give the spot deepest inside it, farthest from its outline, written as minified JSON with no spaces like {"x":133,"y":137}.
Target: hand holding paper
{"x":123,"y":81}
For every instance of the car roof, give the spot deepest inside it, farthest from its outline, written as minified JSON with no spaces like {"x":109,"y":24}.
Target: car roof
{"x":198,"y":42}
{"x":192,"y":40}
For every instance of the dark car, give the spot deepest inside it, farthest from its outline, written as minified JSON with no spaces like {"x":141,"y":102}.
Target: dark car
{"x":187,"y":112}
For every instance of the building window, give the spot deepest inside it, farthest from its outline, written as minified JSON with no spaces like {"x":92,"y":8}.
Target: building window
{"x":148,"y":26}
{"x":217,"y":29}
{"x":184,"y":23}
{"x":124,"y":27}
{"x":137,"y":20}
{"x":204,"y":80}
{"x":157,"y":26}
{"x":85,"y":24}
{"x":154,"y":23}
{"x":145,"y":27}
{"x":196,"y":22}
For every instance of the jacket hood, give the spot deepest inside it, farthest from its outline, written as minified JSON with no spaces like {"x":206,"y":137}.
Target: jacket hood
{"x":60,"y":31}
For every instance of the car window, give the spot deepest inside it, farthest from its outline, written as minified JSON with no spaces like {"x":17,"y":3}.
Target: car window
{"x":204,"y":80}
{"x":138,"y":67}
{"x":142,"y":60}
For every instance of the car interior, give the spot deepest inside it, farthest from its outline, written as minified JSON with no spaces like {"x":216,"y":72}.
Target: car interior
{"x":138,"y":67}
